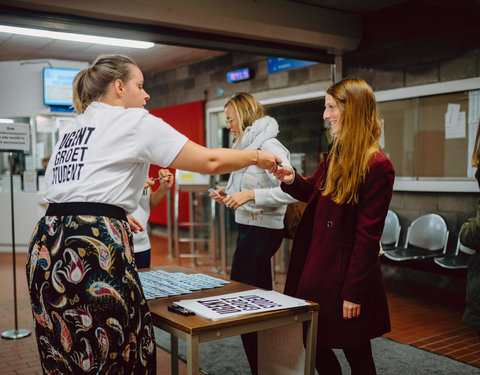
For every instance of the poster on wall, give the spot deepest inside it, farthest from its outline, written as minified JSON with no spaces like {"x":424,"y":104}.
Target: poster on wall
{"x":454,"y":122}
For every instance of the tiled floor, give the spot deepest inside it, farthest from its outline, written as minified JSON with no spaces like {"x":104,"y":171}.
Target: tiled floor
{"x":432,"y":323}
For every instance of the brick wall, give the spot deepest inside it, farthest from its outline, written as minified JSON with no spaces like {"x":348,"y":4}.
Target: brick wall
{"x":207,"y":79}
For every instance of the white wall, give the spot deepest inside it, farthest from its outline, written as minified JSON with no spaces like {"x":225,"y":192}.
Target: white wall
{"x":21,"y":85}
{"x":29,"y":208}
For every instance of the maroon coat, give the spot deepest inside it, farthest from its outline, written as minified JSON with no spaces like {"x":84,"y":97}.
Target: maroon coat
{"x":335,"y":255}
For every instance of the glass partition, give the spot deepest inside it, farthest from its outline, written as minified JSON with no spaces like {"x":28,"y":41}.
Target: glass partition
{"x":429,"y":136}
{"x":45,"y":130}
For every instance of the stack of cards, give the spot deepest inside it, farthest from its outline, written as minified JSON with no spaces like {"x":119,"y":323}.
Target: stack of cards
{"x":159,"y":283}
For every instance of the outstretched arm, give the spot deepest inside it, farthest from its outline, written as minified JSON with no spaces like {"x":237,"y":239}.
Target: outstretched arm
{"x":196,"y":158}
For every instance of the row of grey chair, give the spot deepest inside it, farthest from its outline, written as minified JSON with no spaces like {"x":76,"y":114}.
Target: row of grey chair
{"x":427,"y":237}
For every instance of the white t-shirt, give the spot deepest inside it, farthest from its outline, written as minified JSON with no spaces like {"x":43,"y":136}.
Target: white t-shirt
{"x":104,"y":156}
{"x":141,"y":240}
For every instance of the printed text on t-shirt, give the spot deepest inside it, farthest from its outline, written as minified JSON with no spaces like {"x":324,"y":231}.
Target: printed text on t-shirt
{"x":70,"y":155}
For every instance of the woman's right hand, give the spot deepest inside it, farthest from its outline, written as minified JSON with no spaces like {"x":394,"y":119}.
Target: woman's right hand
{"x":267,"y":160}
{"x":285,"y":174}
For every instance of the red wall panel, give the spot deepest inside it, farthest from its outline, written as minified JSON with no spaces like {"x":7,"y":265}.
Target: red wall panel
{"x":188,"y":119}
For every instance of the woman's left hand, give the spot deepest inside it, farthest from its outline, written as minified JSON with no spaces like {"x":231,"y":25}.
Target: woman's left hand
{"x":238,"y":199}
{"x":350,"y":310}
{"x":134,"y":224}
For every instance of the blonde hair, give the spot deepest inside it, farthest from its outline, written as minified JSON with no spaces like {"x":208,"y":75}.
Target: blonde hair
{"x":357,"y":140}
{"x":246,"y":108}
{"x":476,"y":149}
{"x":90,"y":84}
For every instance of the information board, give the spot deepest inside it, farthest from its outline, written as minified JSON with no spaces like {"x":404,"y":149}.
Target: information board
{"x":14,"y":137}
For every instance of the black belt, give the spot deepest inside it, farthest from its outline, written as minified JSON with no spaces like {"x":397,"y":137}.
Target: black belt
{"x":86,"y":208}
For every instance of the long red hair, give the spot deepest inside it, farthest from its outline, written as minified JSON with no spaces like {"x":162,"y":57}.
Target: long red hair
{"x":358,"y":139}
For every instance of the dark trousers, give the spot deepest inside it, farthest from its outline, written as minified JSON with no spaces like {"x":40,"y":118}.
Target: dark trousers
{"x":251,"y":265}
{"x":251,"y":260}
{"x":142,"y":259}
{"x":360,"y":360}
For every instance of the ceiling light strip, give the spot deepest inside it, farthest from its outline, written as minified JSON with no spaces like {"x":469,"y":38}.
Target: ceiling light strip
{"x":83,"y":38}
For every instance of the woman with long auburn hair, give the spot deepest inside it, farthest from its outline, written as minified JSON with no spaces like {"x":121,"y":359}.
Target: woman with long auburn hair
{"x":334,"y":259}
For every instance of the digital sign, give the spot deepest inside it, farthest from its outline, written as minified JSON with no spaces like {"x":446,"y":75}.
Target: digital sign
{"x":239,"y":75}
{"x":58,"y":86}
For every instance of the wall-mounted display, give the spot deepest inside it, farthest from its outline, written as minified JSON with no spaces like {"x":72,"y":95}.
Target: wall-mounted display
{"x":239,"y":75}
{"x":58,"y":86}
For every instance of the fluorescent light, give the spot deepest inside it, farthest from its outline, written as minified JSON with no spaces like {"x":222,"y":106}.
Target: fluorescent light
{"x":83,"y":38}
{"x":6,"y":120}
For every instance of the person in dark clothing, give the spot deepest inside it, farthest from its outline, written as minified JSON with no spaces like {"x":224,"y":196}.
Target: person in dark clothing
{"x":470,"y":237}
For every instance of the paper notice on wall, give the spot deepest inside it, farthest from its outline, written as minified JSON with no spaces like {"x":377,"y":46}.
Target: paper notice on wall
{"x":472,"y":132}
{"x":474,"y":106}
{"x":14,"y":137}
{"x":455,"y":122}
{"x":241,"y":303}
{"x":29,"y":181}
{"x":30,"y":164}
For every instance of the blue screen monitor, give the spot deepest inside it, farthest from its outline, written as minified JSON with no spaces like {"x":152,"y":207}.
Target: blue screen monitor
{"x":58,"y":86}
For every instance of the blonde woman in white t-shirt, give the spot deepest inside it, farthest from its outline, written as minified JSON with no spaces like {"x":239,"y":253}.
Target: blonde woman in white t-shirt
{"x":90,"y":312}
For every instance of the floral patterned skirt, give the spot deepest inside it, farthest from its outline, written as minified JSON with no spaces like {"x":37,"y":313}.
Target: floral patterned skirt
{"x":88,"y":305}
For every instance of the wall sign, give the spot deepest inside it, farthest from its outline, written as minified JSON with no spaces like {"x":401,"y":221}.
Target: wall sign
{"x":239,"y":75}
{"x":279,"y":64}
{"x":14,"y":137}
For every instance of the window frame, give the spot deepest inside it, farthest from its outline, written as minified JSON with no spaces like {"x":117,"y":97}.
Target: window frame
{"x":312,"y":92}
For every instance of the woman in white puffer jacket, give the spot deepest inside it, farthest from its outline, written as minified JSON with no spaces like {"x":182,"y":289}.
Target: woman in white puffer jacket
{"x":257,"y":199}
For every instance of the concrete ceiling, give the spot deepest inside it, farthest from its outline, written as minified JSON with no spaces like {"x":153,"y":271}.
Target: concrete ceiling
{"x":188,"y":31}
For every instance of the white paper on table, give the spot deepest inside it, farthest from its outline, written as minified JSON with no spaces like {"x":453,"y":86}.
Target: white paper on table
{"x":241,"y":303}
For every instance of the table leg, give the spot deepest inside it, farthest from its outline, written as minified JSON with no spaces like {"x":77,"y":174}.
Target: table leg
{"x":174,"y":354}
{"x":311,"y":344}
{"x":192,"y":355}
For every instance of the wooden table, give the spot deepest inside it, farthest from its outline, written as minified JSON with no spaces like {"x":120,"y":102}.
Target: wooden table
{"x":195,"y":329}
